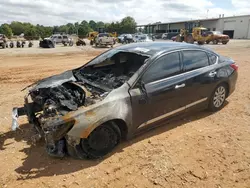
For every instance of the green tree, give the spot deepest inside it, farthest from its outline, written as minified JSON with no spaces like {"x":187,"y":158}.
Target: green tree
{"x":100,"y":25}
{"x":84,"y":29}
{"x":6,"y":30}
{"x":31,"y":33}
{"x":17,"y":28}
{"x":92,"y":25}
{"x":128,"y":25}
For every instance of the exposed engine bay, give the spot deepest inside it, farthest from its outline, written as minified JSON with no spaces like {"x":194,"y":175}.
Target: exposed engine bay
{"x":84,"y":86}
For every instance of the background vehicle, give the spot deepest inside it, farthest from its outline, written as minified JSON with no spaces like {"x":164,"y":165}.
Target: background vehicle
{"x":216,"y":37}
{"x":47,"y":43}
{"x":120,"y":38}
{"x":164,"y":36}
{"x":143,"y":38}
{"x":64,"y":39}
{"x":173,"y":38}
{"x":126,"y":91}
{"x":3,"y":42}
{"x":104,"y":39}
{"x":127,"y":38}
{"x":92,"y":35}
{"x":80,"y":42}
{"x":198,"y":34}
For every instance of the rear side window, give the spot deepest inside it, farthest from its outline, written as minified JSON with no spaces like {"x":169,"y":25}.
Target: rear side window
{"x":194,"y":59}
{"x":166,"y":66}
{"x":212,"y":58}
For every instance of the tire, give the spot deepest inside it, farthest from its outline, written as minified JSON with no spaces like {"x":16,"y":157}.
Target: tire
{"x":96,"y":44}
{"x":3,"y":45}
{"x":71,"y":43}
{"x":101,"y":141}
{"x":224,"y":43}
{"x":91,"y":42}
{"x":178,"y":38}
{"x":200,"y":42}
{"x":207,"y":42}
{"x":11,"y":45}
{"x":190,"y":39}
{"x":218,"y":98}
{"x":215,"y":41}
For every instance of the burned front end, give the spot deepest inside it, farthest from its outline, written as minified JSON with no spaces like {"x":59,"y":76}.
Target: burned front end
{"x":50,"y":102}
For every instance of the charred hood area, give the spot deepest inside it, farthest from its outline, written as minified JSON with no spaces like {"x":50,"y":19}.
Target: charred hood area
{"x":57,"y":95}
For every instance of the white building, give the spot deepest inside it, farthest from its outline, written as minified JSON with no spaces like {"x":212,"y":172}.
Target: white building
{"x":237,"y":27}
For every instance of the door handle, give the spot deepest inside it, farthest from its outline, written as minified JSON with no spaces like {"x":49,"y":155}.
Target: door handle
{"x":212,"y":74}
{"x":180,"y":86}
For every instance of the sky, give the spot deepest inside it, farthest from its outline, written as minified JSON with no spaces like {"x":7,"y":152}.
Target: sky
{"x":58,"y":12}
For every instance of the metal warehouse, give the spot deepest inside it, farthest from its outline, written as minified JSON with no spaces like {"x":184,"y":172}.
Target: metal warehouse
{"x":237,"y":27}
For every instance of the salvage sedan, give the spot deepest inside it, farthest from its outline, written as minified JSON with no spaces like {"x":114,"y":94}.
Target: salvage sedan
{"x":87,"y":111}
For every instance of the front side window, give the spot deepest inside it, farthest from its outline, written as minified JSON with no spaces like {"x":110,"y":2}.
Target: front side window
{"x":166,"y":66}
{"x":194,"y":59}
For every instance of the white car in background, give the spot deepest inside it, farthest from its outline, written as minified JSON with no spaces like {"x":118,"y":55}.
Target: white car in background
{"x":64,"y":39}
{"x":164,"y":36}
{"x":142,"y":38}
{"x":120,"y":38}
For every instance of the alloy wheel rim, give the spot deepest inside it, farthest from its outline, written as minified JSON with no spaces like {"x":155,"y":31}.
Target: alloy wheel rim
{"x":219,"y":96}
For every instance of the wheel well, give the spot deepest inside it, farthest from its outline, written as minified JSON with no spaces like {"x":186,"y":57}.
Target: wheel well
{"x":122,"y":126}
{"x":227,"y":87}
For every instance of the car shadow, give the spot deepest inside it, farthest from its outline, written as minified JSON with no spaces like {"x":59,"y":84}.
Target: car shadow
{"x":37,"y":163}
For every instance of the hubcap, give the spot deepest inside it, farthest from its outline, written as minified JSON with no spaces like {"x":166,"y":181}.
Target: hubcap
{"x":100,"y":140}
{"x":219,"y":96}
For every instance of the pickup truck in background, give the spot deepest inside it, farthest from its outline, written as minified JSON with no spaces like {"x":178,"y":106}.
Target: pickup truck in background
{"x":104,"y":39}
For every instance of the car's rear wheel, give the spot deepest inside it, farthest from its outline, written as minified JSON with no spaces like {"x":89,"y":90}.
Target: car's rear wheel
{"x":218,"y":98}
{"x":215,"y":41}
{"x":224,"y":42}
{"x":102,"y":140}
{"x":200,"y":42}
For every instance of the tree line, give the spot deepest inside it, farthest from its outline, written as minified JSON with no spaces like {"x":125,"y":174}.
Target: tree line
{"x":34,"y":32}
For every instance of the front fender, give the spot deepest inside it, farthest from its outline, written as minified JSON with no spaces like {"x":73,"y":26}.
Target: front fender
{"x":88,"y":118}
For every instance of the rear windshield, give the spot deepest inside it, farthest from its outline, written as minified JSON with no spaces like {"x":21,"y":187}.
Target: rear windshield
{"x":103,"y":35}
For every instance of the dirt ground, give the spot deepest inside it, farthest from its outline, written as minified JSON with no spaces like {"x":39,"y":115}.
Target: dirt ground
{"x":201,"y":150}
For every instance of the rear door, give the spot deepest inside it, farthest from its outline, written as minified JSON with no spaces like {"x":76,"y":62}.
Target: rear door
{"x":162,"y":94}
{"x":201,"y":76}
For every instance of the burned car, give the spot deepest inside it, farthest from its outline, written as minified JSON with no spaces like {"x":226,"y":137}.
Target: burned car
{"x":85,"y":112}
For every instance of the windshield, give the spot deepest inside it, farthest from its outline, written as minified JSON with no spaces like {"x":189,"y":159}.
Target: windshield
{"x":106,"y":55}
{"x":217,"y":32}
{"x":103,"y":35}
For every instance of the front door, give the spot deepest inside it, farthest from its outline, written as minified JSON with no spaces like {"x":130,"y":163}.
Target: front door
{"x":160,"y":92}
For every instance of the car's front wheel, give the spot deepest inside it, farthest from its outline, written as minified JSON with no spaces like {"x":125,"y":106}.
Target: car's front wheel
{"x":101,"y":141}
{"x":218,"y":98}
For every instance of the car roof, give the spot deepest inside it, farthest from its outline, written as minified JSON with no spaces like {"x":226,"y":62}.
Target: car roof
{"x":152,"y":48}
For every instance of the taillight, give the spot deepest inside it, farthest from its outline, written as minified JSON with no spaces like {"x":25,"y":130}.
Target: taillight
{"x":234,"y":66}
